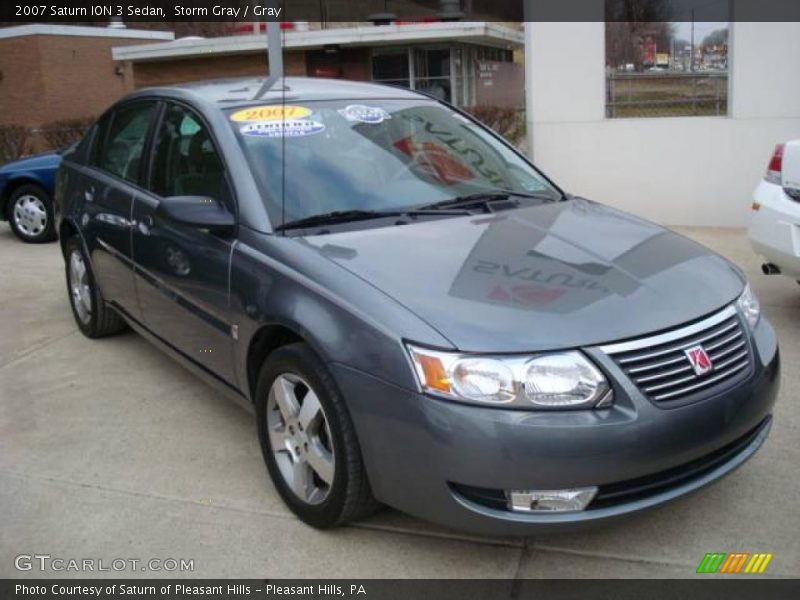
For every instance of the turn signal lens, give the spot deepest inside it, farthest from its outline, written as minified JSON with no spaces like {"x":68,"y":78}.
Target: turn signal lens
{"x":431,"y":371}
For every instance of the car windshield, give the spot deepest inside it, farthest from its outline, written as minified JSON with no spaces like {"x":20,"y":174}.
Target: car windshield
{"x":375,"y":155}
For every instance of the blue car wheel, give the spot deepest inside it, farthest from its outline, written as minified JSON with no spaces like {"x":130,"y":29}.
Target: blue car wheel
{"x":30,"y":214}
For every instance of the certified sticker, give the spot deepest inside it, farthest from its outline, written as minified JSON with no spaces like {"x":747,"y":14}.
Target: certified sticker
{"x":273,"y":112}
{"x":292,"y":128}
{"x":360,"y":113}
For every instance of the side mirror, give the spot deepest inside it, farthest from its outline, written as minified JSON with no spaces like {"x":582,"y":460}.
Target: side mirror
{"x":200,"y":212}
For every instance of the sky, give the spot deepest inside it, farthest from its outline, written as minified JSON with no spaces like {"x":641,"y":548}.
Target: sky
{"x":683,"y":30}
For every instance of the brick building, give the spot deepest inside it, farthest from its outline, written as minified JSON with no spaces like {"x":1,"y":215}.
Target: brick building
{"x":55,"y":72}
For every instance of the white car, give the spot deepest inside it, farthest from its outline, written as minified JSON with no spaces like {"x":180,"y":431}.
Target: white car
{"x":775,"y":220}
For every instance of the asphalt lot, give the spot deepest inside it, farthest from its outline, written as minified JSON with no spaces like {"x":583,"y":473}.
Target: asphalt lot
{"x":110,"y":450}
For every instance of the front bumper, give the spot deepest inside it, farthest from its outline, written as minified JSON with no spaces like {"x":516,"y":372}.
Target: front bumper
{"x":421,"y":453}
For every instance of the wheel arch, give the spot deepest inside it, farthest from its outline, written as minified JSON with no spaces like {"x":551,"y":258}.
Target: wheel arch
{"x":66,"y":229}
{"x":268,"y":338}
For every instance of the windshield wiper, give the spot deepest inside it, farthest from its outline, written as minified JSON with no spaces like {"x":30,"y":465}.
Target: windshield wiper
{"x":484,"y":199}
{"x":337,"y":216}
{"x":346,"y":216}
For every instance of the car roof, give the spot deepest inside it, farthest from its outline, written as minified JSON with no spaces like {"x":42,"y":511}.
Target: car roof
{"x":235,"y":92}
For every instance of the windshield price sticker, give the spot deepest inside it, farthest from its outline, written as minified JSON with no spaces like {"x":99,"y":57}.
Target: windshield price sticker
{"x":275,"y":112}
{"x":360,"y":113}
{"x":273,"y":129}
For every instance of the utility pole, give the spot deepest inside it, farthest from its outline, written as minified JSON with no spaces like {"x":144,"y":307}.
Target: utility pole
{"x":691,"y":59}
{"x":274,"y":55}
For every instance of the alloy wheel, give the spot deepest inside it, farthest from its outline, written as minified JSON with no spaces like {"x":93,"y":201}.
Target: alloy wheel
{"x":30,"y":215}
{"x":300,"y":438}
{"x":80,"y":292}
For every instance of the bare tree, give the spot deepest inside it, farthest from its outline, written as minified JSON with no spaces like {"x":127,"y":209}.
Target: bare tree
{"x":13,"y":142}
{"x":629,"y":25}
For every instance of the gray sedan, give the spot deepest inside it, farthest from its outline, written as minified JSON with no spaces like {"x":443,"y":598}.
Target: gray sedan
{"x":416,"y":315}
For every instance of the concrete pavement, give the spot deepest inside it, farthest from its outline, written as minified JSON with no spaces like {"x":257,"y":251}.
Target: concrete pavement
{"x":110,"y":450}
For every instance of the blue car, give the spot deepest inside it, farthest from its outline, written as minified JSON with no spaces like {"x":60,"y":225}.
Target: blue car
{"x":26,"y":196}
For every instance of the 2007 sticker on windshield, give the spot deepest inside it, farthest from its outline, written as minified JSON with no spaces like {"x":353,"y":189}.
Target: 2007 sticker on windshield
{"x":292,"y":128}
{"x":272,"y":112}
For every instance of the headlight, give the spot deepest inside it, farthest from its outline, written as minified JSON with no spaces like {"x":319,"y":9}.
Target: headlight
{"x":545,"y":381}
{"x":749,"y":306}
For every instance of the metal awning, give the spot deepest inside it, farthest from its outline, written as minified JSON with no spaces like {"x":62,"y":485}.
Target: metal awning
{"x":482,"y":33}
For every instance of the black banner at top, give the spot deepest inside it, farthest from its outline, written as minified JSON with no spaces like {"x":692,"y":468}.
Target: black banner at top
{"x":396,"y":589}
{"x":18,"y":12}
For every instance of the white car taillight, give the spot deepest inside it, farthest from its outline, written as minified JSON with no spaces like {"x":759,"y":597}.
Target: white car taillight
{"x":775,"y":166}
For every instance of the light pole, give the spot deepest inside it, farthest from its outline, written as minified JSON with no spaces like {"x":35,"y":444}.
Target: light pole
{"x":691,"y":55}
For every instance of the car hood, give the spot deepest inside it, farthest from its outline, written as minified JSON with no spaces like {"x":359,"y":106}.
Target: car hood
{"x":37,"y":161}
{"x":558,"y":275}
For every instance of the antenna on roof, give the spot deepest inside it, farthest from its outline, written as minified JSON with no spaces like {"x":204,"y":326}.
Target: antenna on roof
{"x":274,"y":57}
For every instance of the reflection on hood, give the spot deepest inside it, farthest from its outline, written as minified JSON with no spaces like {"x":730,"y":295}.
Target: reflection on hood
{"x":565,"y":274}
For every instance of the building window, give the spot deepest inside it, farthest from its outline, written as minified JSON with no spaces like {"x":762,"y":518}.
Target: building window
{"x":462,"y":74}
{"x":432,"y":72}
{"x":391,"y":67}
{"x":666,"y":69}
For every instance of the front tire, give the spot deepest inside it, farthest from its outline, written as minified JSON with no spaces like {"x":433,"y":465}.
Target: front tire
{"x":308,"y":440}
{"x":94,"y":318}
{"x":30,"y":214}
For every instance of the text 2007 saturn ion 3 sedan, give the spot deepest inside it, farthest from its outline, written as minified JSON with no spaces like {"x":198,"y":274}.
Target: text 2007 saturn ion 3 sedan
{"x":415,"y":313}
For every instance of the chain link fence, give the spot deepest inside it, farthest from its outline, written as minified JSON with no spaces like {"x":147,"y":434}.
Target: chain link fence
{"x":631,"y":95}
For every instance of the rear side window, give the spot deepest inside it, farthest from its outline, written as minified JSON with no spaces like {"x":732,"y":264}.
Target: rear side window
{"x":120,"y":140}
{"x":186,"y":161}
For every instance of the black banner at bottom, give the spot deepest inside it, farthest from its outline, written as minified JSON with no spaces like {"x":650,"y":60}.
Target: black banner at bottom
{"x":400,"y":589}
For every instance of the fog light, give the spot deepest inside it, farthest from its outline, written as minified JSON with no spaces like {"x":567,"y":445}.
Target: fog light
{"x":550,"y":500}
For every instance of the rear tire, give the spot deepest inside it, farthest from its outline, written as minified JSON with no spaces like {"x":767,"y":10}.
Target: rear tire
{"x":308,"y":440}
{"x":30,"y":214}
{"x":93,"y":316}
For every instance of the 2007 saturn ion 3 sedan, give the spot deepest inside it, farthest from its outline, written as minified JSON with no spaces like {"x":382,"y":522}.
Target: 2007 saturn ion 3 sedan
{"x":416,"y":314}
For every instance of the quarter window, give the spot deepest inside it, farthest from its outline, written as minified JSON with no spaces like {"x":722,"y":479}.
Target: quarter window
{"x":120,"y":141}
{"x":186,"y":162}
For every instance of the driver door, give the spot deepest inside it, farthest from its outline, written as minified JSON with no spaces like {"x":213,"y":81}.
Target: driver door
{"x":182,"y":272}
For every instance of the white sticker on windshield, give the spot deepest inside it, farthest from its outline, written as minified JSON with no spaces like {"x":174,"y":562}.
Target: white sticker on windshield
{"x":359,"y":113}
{"x":273,"y":129}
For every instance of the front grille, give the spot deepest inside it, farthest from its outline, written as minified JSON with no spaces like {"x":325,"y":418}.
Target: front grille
{"x":659,"y":367}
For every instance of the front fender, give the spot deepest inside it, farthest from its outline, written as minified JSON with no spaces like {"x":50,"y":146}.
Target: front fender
{"x":282,"y":281}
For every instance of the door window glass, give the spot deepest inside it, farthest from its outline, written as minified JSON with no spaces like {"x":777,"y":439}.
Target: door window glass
{"x":120,"y":140}
{"x":186,"y":162}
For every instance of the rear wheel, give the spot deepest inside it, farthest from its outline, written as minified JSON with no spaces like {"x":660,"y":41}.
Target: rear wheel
{"x":94,"y":318}
{"x":308,"y":440}
{"x":30,"y":214}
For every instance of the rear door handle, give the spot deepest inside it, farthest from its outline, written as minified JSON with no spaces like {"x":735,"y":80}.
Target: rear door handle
{"x":89,"y":195}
